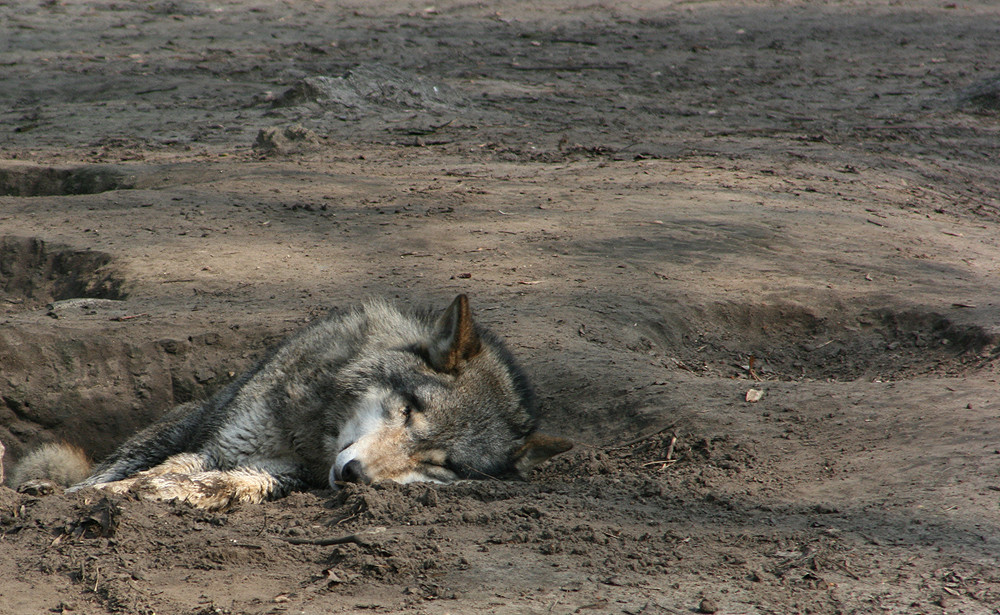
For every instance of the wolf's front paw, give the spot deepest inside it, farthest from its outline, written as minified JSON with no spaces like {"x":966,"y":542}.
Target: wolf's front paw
{"x":38,"y":486}
{"x":117,"y":487}
{"x":205,"y":490}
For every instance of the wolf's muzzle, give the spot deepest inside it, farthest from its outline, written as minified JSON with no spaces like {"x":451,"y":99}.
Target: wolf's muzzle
{"x":353,"y":472}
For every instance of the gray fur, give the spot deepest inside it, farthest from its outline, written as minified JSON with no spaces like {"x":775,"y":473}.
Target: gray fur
{"x":55,"y":463}
{"x":396,"y":394}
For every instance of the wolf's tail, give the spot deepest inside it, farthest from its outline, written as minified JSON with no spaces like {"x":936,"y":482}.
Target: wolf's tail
{"x":56,"y":462}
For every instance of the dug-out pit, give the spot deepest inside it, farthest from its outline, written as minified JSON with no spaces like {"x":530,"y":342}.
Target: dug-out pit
{"x":790,"y":342}
{"x":31,"y":180}
{"x":34,"y":272}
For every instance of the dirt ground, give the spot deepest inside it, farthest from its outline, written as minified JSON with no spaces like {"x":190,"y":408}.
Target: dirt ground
{"x":661,"y":205}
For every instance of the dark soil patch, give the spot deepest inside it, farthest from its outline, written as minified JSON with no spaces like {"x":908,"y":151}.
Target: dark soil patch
{"x":34,"y":272}
{"x":28,"y":180}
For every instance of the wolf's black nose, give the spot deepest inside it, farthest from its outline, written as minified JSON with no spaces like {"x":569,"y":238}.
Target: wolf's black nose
{"x":353,"y":472}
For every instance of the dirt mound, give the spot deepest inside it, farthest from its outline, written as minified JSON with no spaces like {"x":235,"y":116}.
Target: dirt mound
{"x":368,"y":89}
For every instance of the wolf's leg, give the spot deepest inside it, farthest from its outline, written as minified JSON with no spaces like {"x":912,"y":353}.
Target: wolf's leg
{"x":220,"y":489}
{"x":166,"y":438}
{"x":184,"y":463}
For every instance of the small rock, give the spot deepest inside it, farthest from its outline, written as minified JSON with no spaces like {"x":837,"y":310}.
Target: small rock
{"x":204,"y":375}
{"x":295,"y":138}
{"x":428,"y":498}
{"x":174,"y":346}
{"x":707,"y":606}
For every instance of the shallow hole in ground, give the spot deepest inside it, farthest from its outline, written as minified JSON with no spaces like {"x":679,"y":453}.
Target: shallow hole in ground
{"x":33,"y":180}
{"x":34,"y":272}
{"x":790,"y":342}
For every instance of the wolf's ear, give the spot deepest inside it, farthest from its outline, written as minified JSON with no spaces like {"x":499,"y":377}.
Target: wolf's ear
{"x":455,"y":339}
{"x":537,"y":448}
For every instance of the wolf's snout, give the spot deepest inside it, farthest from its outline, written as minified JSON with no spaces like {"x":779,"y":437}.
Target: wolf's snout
{"x":353,"y":472}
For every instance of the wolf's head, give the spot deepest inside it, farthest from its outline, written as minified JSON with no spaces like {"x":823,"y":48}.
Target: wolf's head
{"x":448,"y":403}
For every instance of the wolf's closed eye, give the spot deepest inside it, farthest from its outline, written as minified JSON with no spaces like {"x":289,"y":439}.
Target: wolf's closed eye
{"x":411,"y":405}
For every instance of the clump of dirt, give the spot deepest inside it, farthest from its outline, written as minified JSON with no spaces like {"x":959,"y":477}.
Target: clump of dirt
{"x":291,"y":139}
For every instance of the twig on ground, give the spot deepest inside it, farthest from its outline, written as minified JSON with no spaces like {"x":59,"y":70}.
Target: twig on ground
{"x":360,"y":538}
{"x":134,"y":316}
{"x":664,"y":462}
{"x":635,"y":441}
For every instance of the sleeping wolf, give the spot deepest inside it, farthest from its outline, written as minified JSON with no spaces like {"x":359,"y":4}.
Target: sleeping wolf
{"x":377,"y":394}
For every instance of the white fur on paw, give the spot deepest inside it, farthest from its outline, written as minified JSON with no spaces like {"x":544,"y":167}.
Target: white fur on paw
{"x":206,"y":490}
{"x":116,"y":487}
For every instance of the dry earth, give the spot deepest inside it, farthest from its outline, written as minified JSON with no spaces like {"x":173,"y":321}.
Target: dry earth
{"x":662,"y":205}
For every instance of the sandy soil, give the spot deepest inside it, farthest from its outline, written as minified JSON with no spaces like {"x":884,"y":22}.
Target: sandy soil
{"x":661,"y":205}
